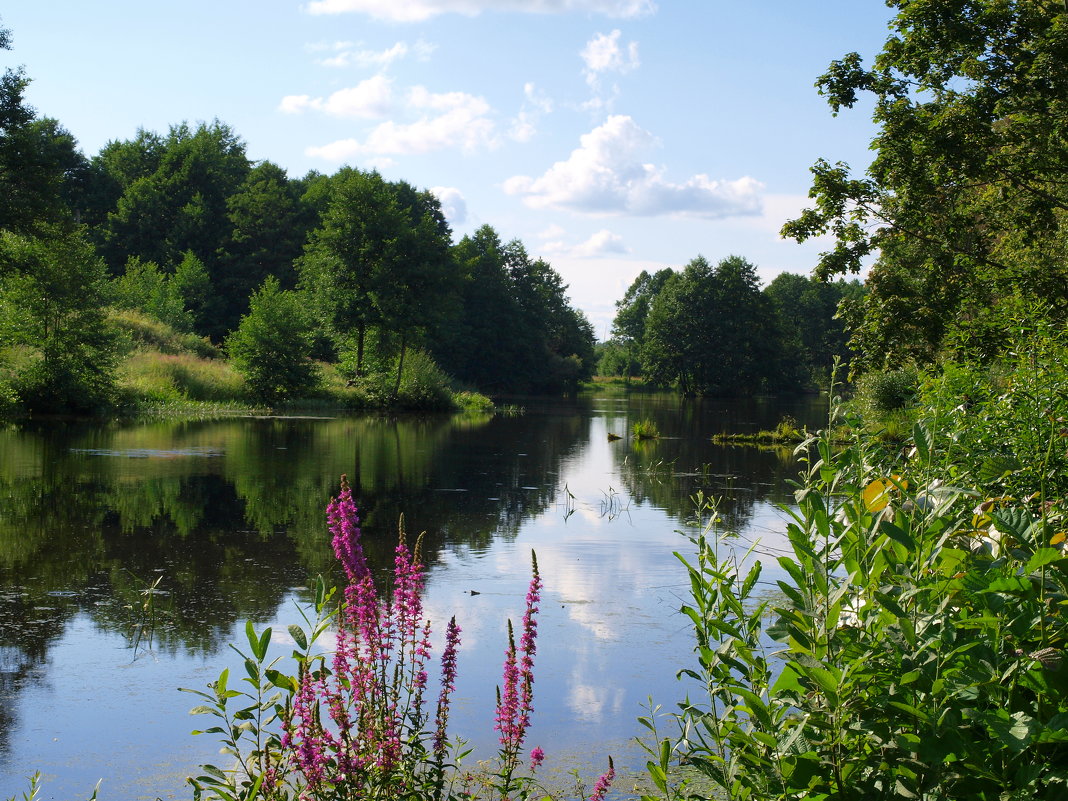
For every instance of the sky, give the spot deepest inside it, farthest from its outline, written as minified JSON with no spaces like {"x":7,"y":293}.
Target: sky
{"x":610,"y":136}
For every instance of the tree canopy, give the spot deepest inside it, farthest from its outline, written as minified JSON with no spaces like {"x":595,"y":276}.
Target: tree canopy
{"x":963,"y":207}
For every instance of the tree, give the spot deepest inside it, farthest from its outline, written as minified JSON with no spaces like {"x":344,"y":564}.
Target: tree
{"x":711,"y":331}
{"x":269,"y":225}
{"x":353,"y":254}
{"x":814,"y":332}
{"x":271,"y":345}
{"x":964,"y":205}
{"x":632,"y":310}
{"x":53,"y":290}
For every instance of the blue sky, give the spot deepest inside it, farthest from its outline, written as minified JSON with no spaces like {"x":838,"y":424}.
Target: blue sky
{"x":610,"y":136}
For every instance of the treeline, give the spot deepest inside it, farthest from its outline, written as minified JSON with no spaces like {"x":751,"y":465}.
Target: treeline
{"x":711,"y":330}
{"x":348,"y":269}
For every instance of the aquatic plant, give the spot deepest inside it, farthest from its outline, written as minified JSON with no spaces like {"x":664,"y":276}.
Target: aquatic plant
{"x":356,"y":723}
{"x":645,"y":429}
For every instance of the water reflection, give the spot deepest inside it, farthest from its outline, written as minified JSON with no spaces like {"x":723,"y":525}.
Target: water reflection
{"x":227,"y":517}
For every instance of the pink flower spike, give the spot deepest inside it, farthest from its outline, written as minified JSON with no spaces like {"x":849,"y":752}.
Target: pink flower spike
{"x":537,"y":756}
{"x":600,"y":789}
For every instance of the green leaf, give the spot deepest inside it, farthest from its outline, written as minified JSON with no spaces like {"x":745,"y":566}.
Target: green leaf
{"x":1043,"y":557}
{"x":921,"y":437}
{"x":1015,"y":732}
{"x":299,"y":637}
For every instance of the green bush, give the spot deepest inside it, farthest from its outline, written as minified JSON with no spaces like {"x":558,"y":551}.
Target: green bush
{"x":271,"y":346}
{"x":881,"y":392}
{"x":915,"y":649}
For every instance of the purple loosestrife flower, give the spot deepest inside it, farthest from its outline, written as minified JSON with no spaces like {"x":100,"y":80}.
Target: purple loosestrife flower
{"x":343,"y":522}
{"x":537,"y":756}
{"x":600,"y":789}
{"x":448,"y":685}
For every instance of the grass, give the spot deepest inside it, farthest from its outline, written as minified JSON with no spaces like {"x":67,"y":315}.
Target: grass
{"x":786,"y":432}
{"x":645,"y":429}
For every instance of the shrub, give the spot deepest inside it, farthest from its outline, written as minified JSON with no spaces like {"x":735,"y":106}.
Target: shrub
{"x":881,"y":392}
{"x":915,"y":651}
{"x":271,"y":346}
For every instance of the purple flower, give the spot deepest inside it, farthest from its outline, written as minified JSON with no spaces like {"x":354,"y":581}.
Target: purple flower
{"x":343,"y":522}
{"x":600,"y":789}
{"x":448,"y":684}
{"x":537,"y":756}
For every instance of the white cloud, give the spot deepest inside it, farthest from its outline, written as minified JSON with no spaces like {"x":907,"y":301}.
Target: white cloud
{"x":606,"y":175}
{"x":419,"y":10}
{"x":367,"y":58}
{"x":455,"y":120}
{"x":369,"y":99}
{"x":339,"y":151}
{"x":453,"y":204}
{"x":535,"y":104}
{"x":601,"y":243}
{"x":604,"y":54}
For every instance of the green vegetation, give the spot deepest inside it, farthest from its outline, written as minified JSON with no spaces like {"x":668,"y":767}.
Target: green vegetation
{"x":712,"y":331}
{"x":183,"y":229}
{"x":645,"y":429}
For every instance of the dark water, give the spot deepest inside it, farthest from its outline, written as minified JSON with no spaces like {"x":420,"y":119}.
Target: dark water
{"x":223,"y":522}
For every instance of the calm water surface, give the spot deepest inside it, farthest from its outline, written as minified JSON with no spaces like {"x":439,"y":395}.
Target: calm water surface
{"x":227,"y":517}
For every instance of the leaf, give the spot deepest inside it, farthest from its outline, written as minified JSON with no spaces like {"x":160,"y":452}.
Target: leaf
{"x":298,"y":635}
{"x":1015,"y":732}
{"x":1043,"y":557}
{"x":921,"y":436}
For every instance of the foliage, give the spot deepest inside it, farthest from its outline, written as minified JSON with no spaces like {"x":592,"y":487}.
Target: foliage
{"x":144,"y":288}
{"x":964,"y":204}
{"x":710,"y":331}
{"x":52,"y":297}
{"x":920,"y":642}
{"x":515,"y":330}
{"x":645,"y":429}
{"x":358,"y":722}
{"x":880,"y":392}
{"x":813,"y":327}
{"x":270,"y":348}
{"x":1002,"y":425}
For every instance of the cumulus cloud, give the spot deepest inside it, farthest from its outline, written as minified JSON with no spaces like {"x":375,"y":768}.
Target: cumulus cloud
{"x":606,"y":175}
{"x":453,"y":204}
{"x":419,"y":10}
{"x":602,"y":243}
{"x":605,"y":54}
{"x":450,"y":120}
{"x":369,"y":99}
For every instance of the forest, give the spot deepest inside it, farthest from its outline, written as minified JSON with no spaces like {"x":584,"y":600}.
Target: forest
{"x":178,"y":242}
{"x":171,"y":267}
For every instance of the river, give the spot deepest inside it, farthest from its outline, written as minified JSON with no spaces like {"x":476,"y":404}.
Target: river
{"x":131,"y":554}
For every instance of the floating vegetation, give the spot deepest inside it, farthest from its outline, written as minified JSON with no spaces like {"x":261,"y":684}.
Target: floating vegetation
{"x":645,"y":429}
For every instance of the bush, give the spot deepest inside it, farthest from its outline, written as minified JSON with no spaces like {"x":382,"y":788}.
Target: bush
{"x":879,"y":393}
{"x":916,"y":649}
{"x":271,"y":346}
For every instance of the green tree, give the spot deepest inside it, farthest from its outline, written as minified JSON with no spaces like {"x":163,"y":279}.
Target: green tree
{"x":632,"y":310}
{"x":271,"y":345}
{"x":711,"y":331}
{"x":814,"y":332}
{"x":352,"y":255}
{"x":53,"y":290}
{"x":145,"y":288}
{"x":963,"y":206}
{"x":269,"y":226}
